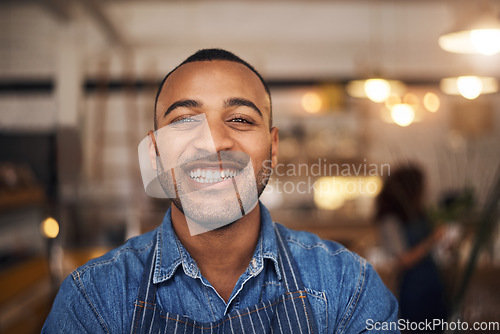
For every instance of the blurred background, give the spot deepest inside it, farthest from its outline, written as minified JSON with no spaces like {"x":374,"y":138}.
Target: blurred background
{"x":77,"y":86}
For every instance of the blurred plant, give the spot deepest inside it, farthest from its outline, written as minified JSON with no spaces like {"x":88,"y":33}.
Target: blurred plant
{"x":454,"y":206}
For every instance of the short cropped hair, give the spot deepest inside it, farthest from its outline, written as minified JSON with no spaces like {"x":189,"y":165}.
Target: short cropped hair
{"x":210,"y":55}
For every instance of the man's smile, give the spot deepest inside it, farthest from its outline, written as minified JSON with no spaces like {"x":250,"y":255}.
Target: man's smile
{"x":210,"y":175}
{"x":216,"y":168}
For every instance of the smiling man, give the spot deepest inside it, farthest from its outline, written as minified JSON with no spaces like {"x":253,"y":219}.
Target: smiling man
{"x":218,"y":263}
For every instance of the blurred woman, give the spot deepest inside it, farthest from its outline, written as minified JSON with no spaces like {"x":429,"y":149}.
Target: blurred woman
{"x":409,"y":237}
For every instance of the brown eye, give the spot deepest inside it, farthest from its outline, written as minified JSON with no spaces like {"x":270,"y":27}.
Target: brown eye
{"x":241,"y":119}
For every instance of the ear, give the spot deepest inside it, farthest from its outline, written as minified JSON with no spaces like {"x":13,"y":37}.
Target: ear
{"x":153,"y":149}
{"x":275,"y":141}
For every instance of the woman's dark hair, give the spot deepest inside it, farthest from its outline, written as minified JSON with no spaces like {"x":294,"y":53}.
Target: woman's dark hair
{"x":401,"y":194}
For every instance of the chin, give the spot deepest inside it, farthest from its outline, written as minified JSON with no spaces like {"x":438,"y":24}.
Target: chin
{"x":206,"y":211}
{"x":208,"y":220}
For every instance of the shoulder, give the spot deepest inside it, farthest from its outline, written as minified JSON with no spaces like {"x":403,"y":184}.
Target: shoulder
{"x":350,"y":287}
{"x":308,"y":249}
{"x":326,"y":265}
{"x":104,"y":287}
{"x":133,"y":252}
{"x":120,"y":268}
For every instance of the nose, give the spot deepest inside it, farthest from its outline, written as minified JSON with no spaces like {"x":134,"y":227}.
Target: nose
{"x":214,"y":136}
{"x":221,"y":135}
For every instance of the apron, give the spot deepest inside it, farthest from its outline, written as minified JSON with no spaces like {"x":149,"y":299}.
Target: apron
{"x":289,"y":313}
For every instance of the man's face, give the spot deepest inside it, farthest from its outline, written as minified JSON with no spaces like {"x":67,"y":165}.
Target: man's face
{"x":231,"y":102}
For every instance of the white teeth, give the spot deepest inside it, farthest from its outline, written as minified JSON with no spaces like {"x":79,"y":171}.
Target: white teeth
{"x":212,"y":176}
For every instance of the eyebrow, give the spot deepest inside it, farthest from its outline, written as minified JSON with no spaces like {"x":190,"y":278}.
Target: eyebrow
{"x":240,"y":102}
{"x":182,"y":104}
{"x":231,"y":102}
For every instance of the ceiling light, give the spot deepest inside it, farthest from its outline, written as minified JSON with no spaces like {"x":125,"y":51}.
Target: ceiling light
{"x":486,"y":41}
{"x":469,"y":86}
{"x":402,"y":114}
{"x":431,"y":102}
{"x":311,"y":102}
{"x":376,"y":89}
{"x":476,"y":34}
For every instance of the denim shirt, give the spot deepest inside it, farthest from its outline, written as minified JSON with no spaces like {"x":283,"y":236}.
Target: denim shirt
{"x":345,"y":292}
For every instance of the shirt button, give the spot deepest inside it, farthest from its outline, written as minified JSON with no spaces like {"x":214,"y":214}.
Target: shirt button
{"x":254,"y":263}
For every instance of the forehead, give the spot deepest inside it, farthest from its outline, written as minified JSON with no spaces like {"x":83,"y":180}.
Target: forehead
{"x":212,"y":79}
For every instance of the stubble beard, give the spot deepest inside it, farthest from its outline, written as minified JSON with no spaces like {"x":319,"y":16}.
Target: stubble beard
{"x":230,"y":213}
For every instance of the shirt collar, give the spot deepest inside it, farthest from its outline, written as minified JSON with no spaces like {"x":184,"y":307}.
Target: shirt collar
{"x":170,"y":253}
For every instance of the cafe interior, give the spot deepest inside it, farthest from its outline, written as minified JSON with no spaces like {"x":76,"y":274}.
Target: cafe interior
{"x":359,"y":89}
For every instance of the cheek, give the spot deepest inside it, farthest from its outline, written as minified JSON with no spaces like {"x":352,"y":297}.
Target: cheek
{"x":171,"y":148}
{"x":259,"y":152}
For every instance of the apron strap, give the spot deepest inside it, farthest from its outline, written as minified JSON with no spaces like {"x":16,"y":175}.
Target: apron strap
{"x":290,"y":272}
{"x":146,"y":297}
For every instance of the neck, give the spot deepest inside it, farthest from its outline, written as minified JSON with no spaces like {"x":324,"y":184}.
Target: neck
{"x":222,"y":255}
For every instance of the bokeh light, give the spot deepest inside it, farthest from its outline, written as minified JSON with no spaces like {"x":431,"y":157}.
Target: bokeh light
{"x":311,"y":102}
{"x":469,"y":86}
{"x":431,"y":102}
{"x":486,"y":41}
{"x":49,"y":228}
{"x":403,"y":114}
{"x":377,"y":90}
{"x":331,"y":192}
